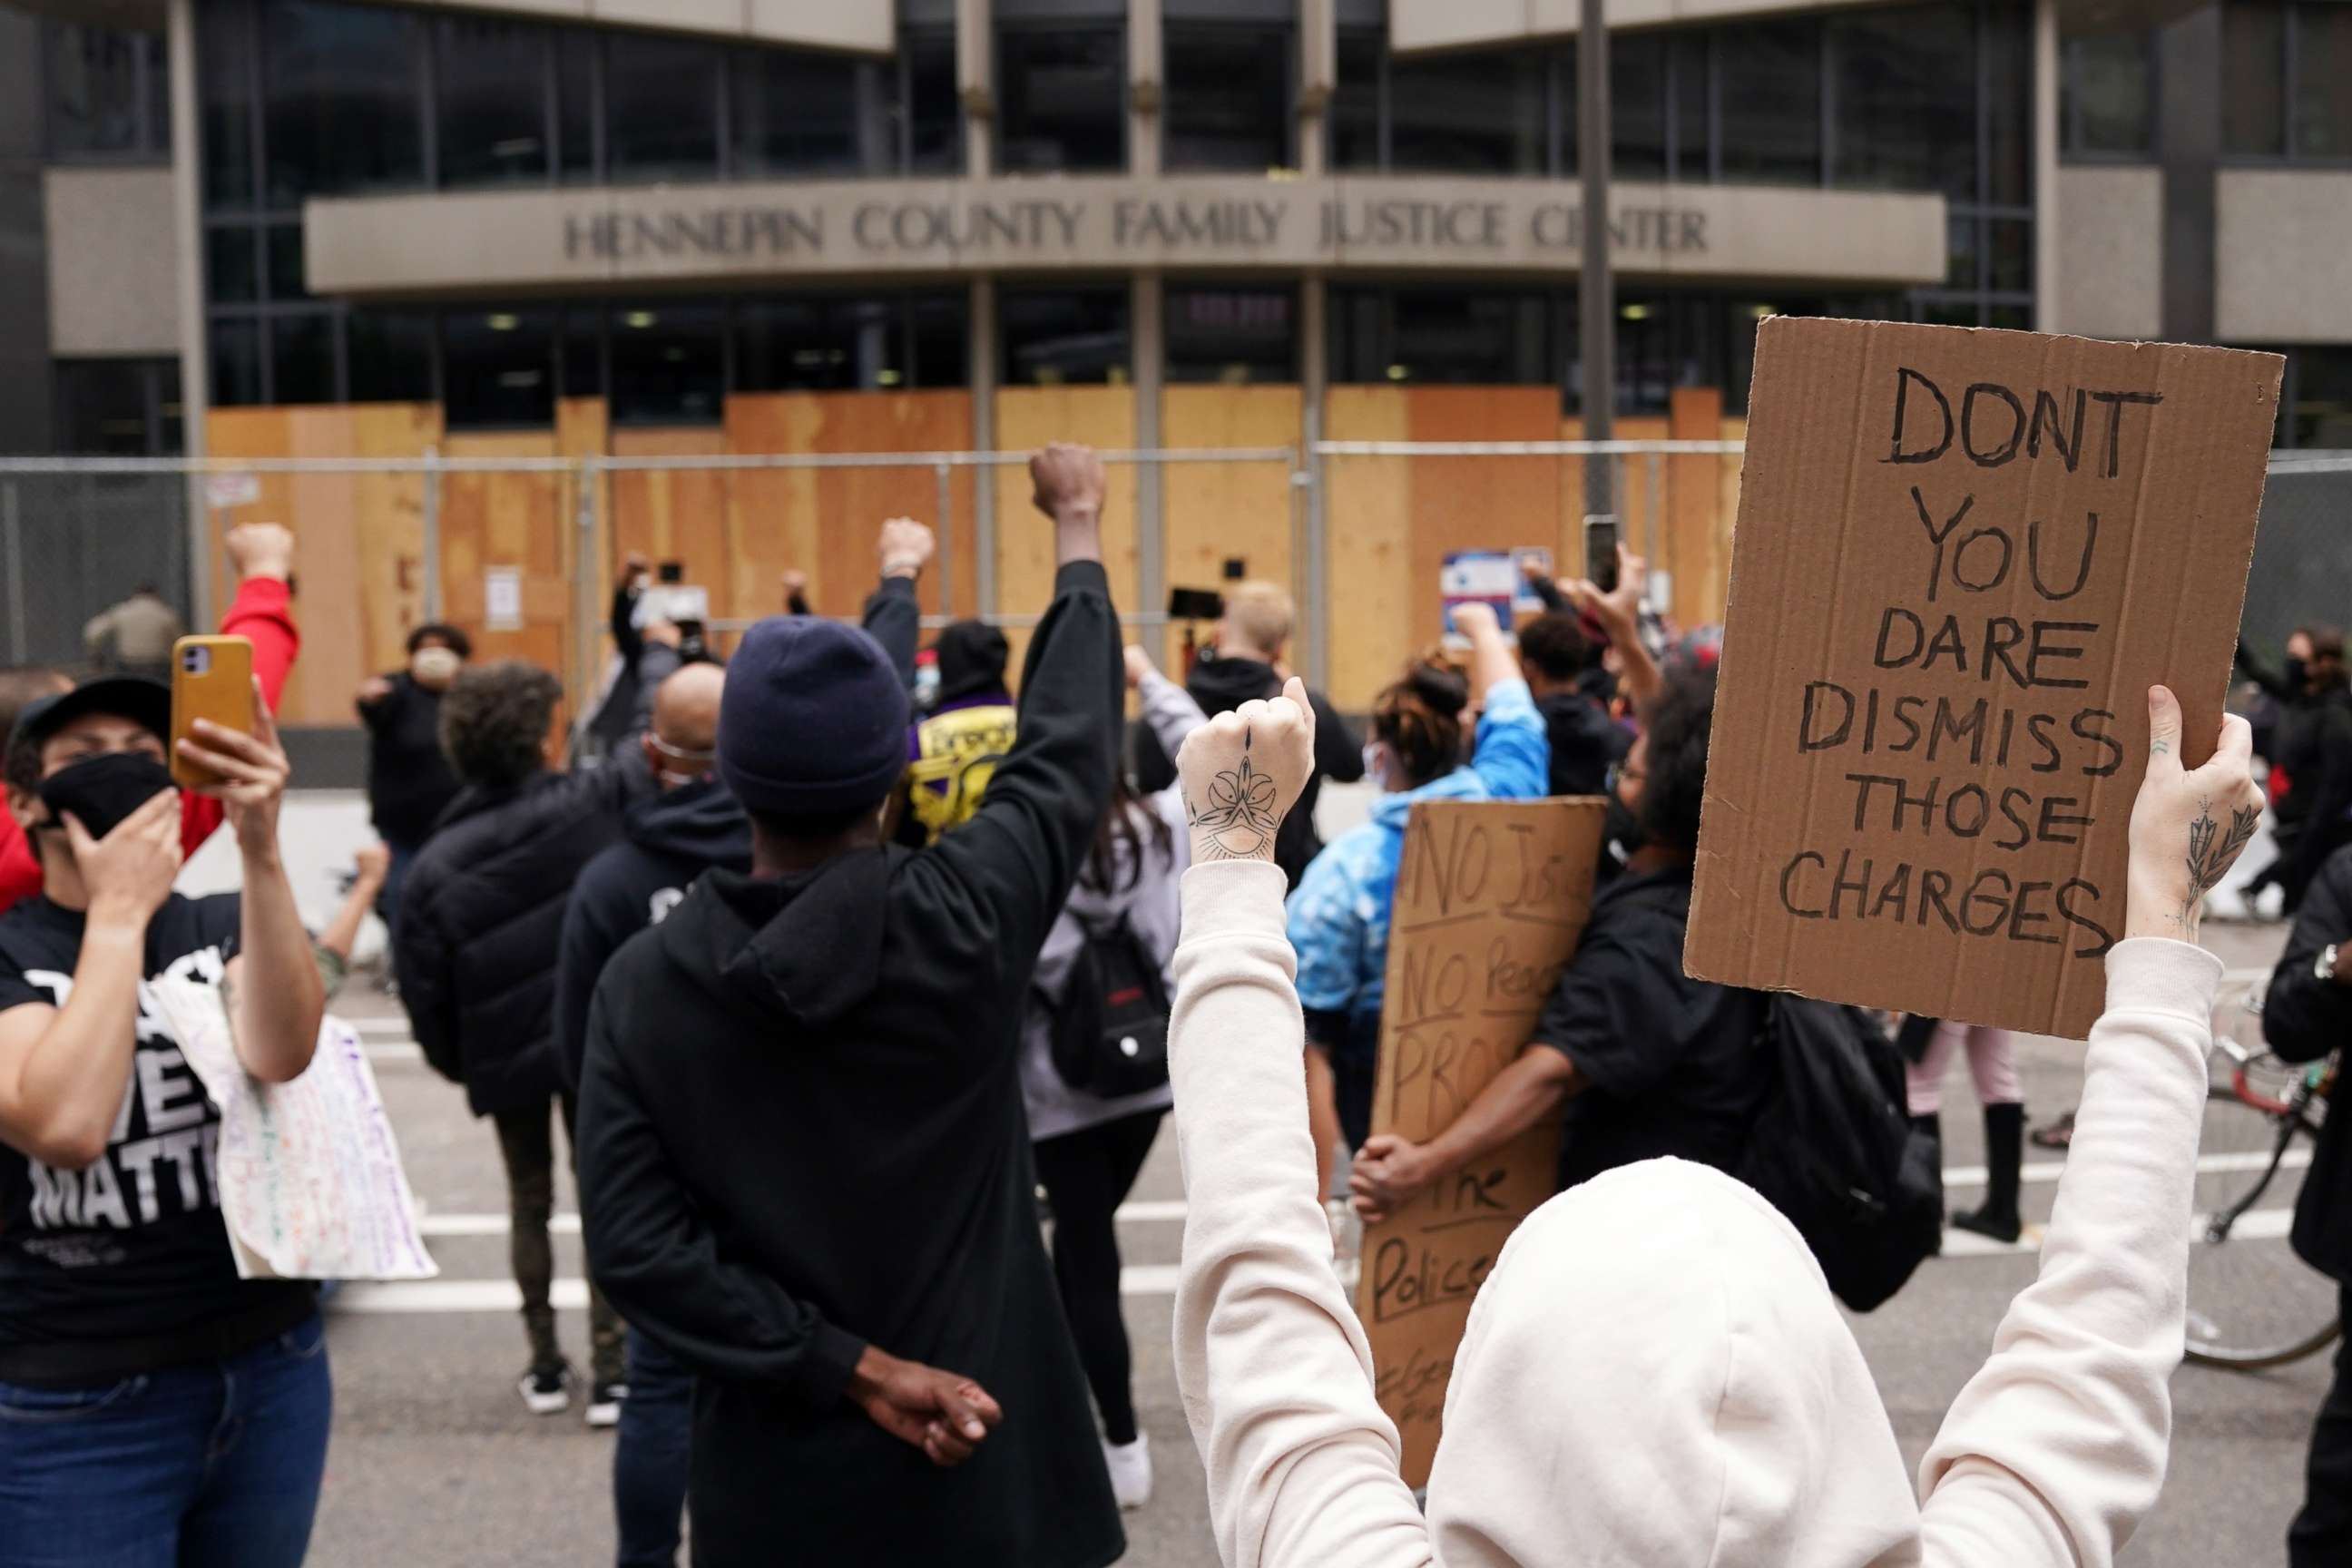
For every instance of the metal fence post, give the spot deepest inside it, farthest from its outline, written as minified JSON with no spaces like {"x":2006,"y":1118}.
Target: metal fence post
{"x":943,"y":530}
{"x":1657,"y":508}
{"x":9,"y":521}
{"x":433,"y":533}
{"x":583,"y":572}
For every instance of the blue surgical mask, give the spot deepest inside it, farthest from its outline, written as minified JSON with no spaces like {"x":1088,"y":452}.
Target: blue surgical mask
{"x":1376,"y":765}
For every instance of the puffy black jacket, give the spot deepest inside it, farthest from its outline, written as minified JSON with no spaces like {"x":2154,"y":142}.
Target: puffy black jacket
{"x":1584,"y":741}
{"x":481,"y":916}
{"x":1221,"y":685}
{"x":2304,"y":1018}
{"x":666,"y":843}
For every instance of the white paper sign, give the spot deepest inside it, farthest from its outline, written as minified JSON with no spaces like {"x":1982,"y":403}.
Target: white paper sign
{"x":502,"y":598}
{"x":231,"y":490}
{"x":309,"y":1172}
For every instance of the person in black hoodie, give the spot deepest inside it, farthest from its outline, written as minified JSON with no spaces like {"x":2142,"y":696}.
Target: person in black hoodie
{"x":409,"y":782}
{"x":2306,"y":1015}
{"x":1585,"y":743}
{"x":802,"y":1136}
{"x":1245,"y":664}
{"x":692,"y":825}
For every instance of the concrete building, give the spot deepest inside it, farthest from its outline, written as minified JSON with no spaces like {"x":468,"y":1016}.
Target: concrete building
{"x":643,"y":228}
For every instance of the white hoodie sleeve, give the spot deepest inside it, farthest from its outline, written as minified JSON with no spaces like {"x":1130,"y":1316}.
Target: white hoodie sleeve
{"x":2056,"y":1449}
{"x":1276,"y":1375}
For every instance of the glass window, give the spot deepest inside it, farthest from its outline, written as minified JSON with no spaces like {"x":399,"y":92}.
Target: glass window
{"x":499,"y":366}
{"x":1354,"y":114}
{"x":940,"y":330}
{"x":106,"y":408}
{"x":2321,"y":416}
{"x":492,"y":77}
{"x":2253,"y":77}
{"x":232,"y":264}
{"x":98,"y":84}
{"x":1227,"y":99}
{"x":302,"y":357}
{"x":575,"y":105}
{"x":1459,"y":336}
{"x":928,"y":104}
{"x":1693,"y":88}
{"x":1058,"y":336}
{"x":223,"y":45}
{"x":1771,"y":101}
{"x":390,"y":355}
{"x":583,"y":352}
{"x":2109,"y":88}
{"x":1062,"y":97}
{"x":236,"y":361}
{"x":796,"y":113}
{"x":1665,"y":341}
{"x":2010,"y":250}
{"x":1233,"y":335}
{"x":285,"y":255}
{"x":342,"y":100}
{"x":1907,"y":108}
{"x":1477,"y":113}
{"x":818,"y":345}
{"x":2008,"y":33}
{"x":661,"y":108}
{"x":668,"y":363}
{"x":2323,"y":81}
{"x":1637,"y":107}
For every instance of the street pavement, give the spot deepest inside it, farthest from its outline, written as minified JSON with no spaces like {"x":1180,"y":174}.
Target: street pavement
{"x":433,"y":1461}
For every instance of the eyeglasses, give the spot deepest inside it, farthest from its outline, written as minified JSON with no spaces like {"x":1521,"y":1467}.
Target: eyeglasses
{"x":1623,"y":773}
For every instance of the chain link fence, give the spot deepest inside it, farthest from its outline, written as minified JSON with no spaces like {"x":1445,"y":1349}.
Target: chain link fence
{"x":2303,"y":554}
{"x":71,"y":545}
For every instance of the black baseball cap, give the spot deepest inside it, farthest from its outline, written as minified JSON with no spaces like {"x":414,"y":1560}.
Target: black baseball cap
{"x":146,"y":703}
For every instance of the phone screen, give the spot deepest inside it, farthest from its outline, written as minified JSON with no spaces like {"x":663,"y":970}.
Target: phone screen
{"x":1600,"y":553}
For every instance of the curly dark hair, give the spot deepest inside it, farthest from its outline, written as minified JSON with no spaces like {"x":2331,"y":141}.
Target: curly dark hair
{"x":454,"y":639}
{"x":1420,"y":718}
{"x":1676,"y":726}
{"x":1554,"y":644}
{"x":494,"y":719}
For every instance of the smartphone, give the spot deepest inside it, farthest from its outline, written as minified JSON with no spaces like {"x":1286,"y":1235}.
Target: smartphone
{"x":212,"y":678}
{"x":673,"y":572}
{"x":1195,"y":604}
{"x":1600,"y":553}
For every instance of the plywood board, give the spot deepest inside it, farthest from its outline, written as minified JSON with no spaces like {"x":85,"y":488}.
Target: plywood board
{"x":1211,"y":512}
{"x":1367,"y":545}
{"x":1028,"y":417}
{"x":1477,"y":503}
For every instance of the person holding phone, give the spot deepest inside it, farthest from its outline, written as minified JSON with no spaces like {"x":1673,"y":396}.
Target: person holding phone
{"x":153,"y":1406}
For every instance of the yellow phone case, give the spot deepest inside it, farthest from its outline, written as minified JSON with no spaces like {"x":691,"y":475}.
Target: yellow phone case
{"x":212,"y":678}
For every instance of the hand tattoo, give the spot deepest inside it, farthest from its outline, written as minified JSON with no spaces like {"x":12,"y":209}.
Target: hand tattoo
{"x":1240,"y":820}
{"x":2210,"y":850}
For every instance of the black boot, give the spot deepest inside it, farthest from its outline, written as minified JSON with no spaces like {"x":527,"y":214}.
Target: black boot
{"x":2004,"y":1168}
{"x":1933,"y":1126}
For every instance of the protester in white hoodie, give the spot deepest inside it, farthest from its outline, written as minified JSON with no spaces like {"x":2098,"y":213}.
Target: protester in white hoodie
{"x":1655,"y":1375}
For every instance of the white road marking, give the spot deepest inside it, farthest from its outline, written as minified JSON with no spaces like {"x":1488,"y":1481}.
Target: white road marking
{"x":400,"y":1051}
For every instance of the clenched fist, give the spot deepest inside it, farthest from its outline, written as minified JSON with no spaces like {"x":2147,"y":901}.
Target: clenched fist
{"x":1068,"y":479}
{"x":1242,"y":773}
{"x":2187,"y":828}
{"x":906,"y":548}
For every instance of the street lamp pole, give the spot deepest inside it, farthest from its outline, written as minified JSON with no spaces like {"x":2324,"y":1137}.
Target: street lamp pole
{"x":1596,"y":310}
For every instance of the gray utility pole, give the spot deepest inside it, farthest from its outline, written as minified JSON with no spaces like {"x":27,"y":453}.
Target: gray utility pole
{"x":1598,"y":310}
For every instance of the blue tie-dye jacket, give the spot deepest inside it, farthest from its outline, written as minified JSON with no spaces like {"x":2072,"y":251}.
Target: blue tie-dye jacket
{"x":1338,"y":917}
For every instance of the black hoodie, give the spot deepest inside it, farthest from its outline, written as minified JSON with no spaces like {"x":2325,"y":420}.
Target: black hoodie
{"x":1219,"y":685}
{"x":800,"y":1131}
{"x":666,"y":843}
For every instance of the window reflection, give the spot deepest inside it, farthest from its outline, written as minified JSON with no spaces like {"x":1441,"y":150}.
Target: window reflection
{"x":661,"y":108}
{"x":493,"y":78}
{"x":1063,"y":97}
{"x":1228,"y":96}
{"x":1054,"y":337}
{"x":342,"y":99}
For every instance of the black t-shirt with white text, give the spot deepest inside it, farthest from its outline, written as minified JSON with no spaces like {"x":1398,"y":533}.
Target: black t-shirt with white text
{"x":125,"y":1268}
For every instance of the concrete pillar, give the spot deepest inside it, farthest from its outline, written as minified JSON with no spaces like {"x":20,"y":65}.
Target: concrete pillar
{"x":2047,"y":66}
{"x":983,"y":439}
{"x":1146,"y":84}
{"x":976,"y":86}
{"x":188,"y":234}
{"x":1147,"y":332}
{"x":1310,"y":554}
{"x":1318,"y":73}
{"x":2189,"y":106}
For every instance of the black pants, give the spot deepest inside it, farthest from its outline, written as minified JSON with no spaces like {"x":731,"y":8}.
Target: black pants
{"x":2322,"y":1534}
{"x":1087,"y":1174}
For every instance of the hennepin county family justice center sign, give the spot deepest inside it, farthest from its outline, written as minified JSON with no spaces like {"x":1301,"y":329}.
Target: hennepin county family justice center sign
{"x":862,"y":228}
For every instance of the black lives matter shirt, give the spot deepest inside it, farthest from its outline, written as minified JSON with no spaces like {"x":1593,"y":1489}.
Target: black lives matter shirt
{"x":125,"y":1268}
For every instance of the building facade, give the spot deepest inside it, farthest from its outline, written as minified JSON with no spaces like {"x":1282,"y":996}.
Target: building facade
{"x":642,"y":228}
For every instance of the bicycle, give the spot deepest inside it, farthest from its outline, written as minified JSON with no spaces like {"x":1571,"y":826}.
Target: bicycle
{"x":2251,"y":1302}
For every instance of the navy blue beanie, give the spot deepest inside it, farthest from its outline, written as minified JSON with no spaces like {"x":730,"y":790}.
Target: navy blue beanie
{"x":812,"y":722}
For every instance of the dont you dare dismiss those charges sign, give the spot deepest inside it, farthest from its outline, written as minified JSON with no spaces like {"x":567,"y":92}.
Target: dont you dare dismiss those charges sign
{"x":1961,"y":559}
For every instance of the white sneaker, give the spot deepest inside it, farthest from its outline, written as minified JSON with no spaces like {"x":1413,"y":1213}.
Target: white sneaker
{"x":1131,"y":1471}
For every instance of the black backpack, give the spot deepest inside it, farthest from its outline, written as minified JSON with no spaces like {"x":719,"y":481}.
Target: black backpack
{"x":1109,"y":1030}
{"x":1832,"y":1150}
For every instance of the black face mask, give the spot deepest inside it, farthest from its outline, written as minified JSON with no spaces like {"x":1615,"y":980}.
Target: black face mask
{"x":1620,"y":828}
{"x":102,"y":791}
{"x":2298,"y":675}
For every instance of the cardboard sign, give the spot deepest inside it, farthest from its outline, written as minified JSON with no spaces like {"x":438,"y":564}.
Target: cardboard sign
{"x":1961,"y":559}
{"x":1491,"y":898}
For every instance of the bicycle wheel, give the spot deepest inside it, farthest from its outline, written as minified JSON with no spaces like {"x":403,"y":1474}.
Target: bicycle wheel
{"x":2251,"y":1302}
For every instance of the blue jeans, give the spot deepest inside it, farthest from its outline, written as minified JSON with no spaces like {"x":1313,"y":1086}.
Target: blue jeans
{"x":650,"y":1455}
{"x":211,"y":1464}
